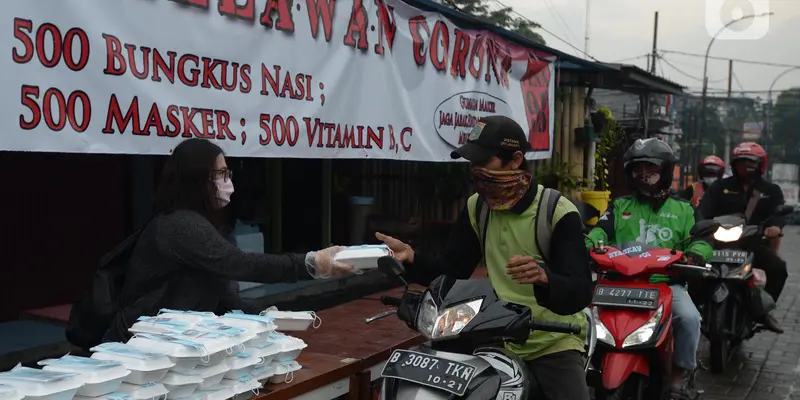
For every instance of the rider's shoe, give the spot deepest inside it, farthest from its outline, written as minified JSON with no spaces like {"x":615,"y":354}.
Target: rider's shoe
{"x":771,"y":324}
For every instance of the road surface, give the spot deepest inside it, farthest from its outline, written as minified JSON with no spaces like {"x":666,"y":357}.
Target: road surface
{"x":768,"y":366}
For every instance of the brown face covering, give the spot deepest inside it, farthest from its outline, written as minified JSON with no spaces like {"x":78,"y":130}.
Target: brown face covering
{"x":501,"y":190}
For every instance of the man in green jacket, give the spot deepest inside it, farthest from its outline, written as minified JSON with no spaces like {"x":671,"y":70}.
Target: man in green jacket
{"x":652,"y":216}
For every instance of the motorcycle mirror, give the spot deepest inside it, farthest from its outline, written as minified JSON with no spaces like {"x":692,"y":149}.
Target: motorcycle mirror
{"x":390,"y":266}
{"x":704,"y":228}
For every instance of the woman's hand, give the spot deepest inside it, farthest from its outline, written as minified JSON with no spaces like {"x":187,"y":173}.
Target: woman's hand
{"x":402,"y":252}
{"x":525,"y":270}
{"x":325,"y":266}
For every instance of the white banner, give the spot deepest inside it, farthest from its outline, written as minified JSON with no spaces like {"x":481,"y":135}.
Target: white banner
{"x":263,"y":78}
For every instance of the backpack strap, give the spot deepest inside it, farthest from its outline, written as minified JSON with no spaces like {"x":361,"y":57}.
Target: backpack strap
{"x":548,"y":201}
{"x":482,"y":213}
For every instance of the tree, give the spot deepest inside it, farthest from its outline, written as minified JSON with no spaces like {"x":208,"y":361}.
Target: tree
{"x":786,"y":127}
{"x":502,"y":17}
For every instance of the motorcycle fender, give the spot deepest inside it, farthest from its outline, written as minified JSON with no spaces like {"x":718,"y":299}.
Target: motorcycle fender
{"x":617,"y":367}
{"x":720,"y":293}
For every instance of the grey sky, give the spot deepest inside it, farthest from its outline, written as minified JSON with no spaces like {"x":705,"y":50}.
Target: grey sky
{"x":623,"y":29}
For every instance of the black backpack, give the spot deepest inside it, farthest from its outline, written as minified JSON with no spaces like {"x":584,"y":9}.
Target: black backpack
{"x":92,"y":314}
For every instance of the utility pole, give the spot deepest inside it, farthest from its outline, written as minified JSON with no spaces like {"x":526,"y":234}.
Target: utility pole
{"x":727,"y":156}
{"x":652,"y":67}
{"x":590,"y":162}
{"x":654,"y":55}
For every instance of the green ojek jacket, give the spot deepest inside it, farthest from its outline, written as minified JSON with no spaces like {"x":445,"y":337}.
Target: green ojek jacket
{"x":628,"y":219}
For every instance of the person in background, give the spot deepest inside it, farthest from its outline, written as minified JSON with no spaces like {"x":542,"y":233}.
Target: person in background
{"x":182,"y":261}
{"x":651,"y":216}
{"x":747,"y":189}
{"x":556,"y":290}
{"x":710,"y":170}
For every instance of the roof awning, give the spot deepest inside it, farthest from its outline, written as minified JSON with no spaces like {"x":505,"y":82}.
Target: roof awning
{"x":623,"y":77}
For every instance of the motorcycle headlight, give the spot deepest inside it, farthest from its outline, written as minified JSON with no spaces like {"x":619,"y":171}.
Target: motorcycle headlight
{"x":740,"y":272}
{"x":602,"y":332}
{"x":728,"y":235}
{"x":646,"y":331}
{"x":434,"y":324}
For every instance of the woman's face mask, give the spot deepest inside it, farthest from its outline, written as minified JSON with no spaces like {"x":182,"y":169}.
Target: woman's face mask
{"x":709,"y":180}
{"x":224,"y":191}
{"x":646,"y":178}
{"x":501,"y":190}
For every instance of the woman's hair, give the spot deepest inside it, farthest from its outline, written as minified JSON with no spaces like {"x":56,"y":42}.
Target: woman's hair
{"x":186,"y":180}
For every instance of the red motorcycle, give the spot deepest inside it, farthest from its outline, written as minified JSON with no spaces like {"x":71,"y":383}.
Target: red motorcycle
{"x":633,"y":319}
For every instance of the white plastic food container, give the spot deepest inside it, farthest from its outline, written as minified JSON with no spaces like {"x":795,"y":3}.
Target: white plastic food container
{"x":217,"y":392}
{"x":99,"y":376}
{"x":181,"y":385}
{"x":9,"y":393}
{"x":108,"y":396}
{"x":181,"y":391}
{"x":151,"y":391}
{"x":263,"y":372}
{"x":161,"y":324}
{"x":284,"y":371}
{"x":241,"y":365}
{"x":191,"y":317}
{"x":195,"y":344}
{"x":187,"y":364}
{"x":145,"y":366}
{"x":291,"y":320}
{"x":241,"y":386}
{"x":266,"y":350}
{"x":252,"y":323}
{"x":363,"y":257}
{"x":210,"y":374}
{"x":289,"y":346}
{"x":36,"y":384}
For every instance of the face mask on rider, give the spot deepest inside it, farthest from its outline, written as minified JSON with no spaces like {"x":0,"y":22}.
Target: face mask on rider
{"x":709,"y":180}
{"x":647,"y":182}
{"x":747,"y":172}
{"x":501,"y":190}
{"x":224,"y":191}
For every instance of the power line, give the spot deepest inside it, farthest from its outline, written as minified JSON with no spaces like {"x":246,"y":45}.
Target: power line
{"x":739,"y":60}
{"x":687,"y":74}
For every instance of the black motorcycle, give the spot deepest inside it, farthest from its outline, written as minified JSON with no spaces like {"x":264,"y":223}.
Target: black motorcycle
{"x":732,"y":292}
{"x":466,"y":325}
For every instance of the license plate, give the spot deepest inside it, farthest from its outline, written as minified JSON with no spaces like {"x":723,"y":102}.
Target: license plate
{"x":611,"y":296}
{"x":729,"y":256}
{"x":427,"y":370}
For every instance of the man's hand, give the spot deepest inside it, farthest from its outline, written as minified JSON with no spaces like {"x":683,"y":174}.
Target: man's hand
{"x":402,"y":252}
{"x":525,"y":270}
{"x":772,"y":231}
{"x":693,"y":259}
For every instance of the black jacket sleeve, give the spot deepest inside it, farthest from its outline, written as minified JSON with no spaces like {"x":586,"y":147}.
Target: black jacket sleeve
{"x":569,"y":275}
{"x":190,"y":240}
{"x":688,"y":192}
{"x":461,"y":256}
{"x":777,"y":200}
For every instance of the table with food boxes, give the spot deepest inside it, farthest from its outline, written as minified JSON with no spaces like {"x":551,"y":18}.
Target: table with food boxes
{"x":202,"y":356}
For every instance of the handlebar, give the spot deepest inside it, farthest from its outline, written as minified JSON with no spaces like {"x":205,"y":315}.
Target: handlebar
{"x":702,"y":268}
{"x":390,"y":301}
{"x":558,"y":327}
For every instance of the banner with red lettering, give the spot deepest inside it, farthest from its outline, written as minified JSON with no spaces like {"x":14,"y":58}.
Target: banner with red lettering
{"x":262,"y":78}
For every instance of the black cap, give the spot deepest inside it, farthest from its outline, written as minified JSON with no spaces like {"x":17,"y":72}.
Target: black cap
{"x":490,"y":136}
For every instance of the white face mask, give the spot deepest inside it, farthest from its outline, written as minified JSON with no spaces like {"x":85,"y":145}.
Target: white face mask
{"x":224,"y":191}
{"x":708,"y":181}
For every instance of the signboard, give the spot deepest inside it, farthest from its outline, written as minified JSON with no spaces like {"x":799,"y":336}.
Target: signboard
{"x":751,"y":131}
{"x":790,"y":192}
{"x":262,"y":78}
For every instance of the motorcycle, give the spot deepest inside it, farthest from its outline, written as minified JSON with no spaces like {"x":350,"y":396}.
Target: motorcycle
{"x":731,"y":292}
{"x":633,"y":318}
{"x":466,"y":325}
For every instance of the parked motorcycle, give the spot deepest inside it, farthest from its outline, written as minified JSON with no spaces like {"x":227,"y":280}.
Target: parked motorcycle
{"x":633,"y":319}
{"x":731,"y":292}
{"x":466,"y":325}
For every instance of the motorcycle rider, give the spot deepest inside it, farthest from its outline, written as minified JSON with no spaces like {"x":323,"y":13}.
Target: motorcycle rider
{"x":710,"y":170}
{"x":653,"y":217}
{"x":734,"y":194}
{"x":557,"y":290}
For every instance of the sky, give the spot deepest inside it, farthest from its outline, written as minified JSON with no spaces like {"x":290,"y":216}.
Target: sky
{"x":622,"y":30}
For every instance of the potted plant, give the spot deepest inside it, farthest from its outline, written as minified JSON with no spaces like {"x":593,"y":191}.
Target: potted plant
{"x":610,"y":137}
{"x":557,"y":175}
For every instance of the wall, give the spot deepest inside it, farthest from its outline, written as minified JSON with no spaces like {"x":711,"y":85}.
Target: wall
{"x":60,"y":213}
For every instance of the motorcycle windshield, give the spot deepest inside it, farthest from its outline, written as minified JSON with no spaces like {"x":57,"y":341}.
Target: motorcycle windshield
{"x":447,"y":291}
{"x":728,"y":221}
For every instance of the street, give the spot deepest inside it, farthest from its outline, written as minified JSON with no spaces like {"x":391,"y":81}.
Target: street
{"x":768,"y":366}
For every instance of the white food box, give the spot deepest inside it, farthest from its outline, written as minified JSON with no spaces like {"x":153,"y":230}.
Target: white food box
{"x":291,"y":320}
{"x":36,"y":384}
{"x":284,"y":371}
{"x":100,"y":377}
{"x":363,"y":257}
{"x":145,"y":366}
{"x":217,"y":392}
{"x":9,"y":393}
{"x":144,"y":392}
{"x":107,"y":396}
{"x":181,"y":391}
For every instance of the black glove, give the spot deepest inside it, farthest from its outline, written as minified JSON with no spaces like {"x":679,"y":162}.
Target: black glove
{"x":694,"y":259}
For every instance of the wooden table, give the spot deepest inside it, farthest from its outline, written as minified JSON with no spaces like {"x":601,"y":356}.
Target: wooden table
{"x":344,"y":355}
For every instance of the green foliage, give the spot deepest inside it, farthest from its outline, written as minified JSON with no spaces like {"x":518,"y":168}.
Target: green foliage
{"x":785,"y":146}
{"x":503,"y":17}
{"x":558,"y":175}
{"x":610,"y":138}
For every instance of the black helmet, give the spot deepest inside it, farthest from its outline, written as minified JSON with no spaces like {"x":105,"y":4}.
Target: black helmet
{"x":653,"y":151}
